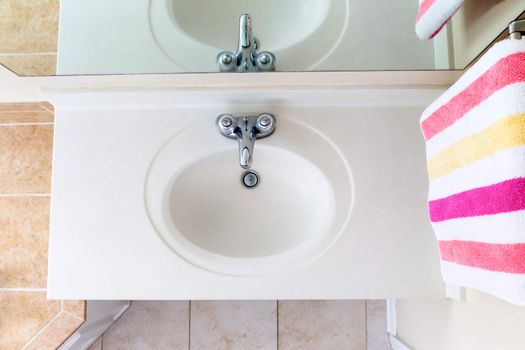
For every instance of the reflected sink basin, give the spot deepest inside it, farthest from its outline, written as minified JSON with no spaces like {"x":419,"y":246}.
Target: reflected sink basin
{"x":199,"y":207}
{"x":192,"y":38}
{"x":293,"y":22}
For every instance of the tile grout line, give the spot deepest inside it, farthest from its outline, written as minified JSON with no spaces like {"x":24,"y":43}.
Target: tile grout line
{"x":71,"y":314}
{"x":27,"y":124}
{"x":10,"y":111}
{"x":366,"y":323}
{"x":25,"y":195}
{"x":41,"y":330}
{"x":16,"y":289}
{"x":277,"y":302}
{"x":48,"y":110}
{"x":46,"y":53}
{"x":189,"y":324}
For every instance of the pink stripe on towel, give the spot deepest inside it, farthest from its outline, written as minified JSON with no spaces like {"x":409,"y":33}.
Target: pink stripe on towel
{"x":425,"y":5}
{"x":506,"y":71}
{"x":502,"y":197}
{"x":433,"y":15}
{"x":439,"y":29}
{"x":508,"y":258}
{"x":478,"y":209}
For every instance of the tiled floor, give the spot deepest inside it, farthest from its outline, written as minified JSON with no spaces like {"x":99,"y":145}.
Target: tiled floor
{"x":233,"y":325}
{"x":305,"y":325}
{"x":27,"y":319}
{"x":265,"y":325}
{"x":376,"y":326}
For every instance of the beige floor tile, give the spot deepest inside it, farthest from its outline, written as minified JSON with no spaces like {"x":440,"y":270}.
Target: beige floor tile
{"x":314,"y":325}
{"x":159,"y":325}
{"x":233,"y":325}
{"x":25,"y":158}
{"x":23,"y":107}
{"x":55,"y":333}
{"x":26,"y":117}
{"x":29,"y":26}
{"x":75,"y":307}
{"x":376,"y":333}
{"x":22,"y":316}
{"x":24,"y":227}
{"x":30,"y":65}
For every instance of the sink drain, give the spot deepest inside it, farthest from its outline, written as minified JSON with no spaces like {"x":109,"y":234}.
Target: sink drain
{"x":250,"y":179}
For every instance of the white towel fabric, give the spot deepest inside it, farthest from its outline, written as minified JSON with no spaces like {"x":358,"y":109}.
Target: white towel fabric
{"x":433,"y":15}
{"x":475,"y":138}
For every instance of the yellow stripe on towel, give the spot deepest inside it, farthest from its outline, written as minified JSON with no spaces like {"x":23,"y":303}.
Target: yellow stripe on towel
{"x":506,"y":133}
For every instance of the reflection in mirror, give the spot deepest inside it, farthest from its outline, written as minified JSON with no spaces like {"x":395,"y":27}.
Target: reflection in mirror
{"x":28,"y":36}
{"x":47,"y":37}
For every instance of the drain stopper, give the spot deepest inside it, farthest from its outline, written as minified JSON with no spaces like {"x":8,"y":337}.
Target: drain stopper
{"x":250,"y":179}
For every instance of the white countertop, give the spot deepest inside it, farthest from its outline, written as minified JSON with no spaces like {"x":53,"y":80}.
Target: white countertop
{"x":103,"y":246}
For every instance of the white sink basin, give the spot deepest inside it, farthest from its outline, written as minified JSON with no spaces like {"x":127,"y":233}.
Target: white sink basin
{"x":198,"y":205}
{"x":192,"y":37}
{"x":147,"y":200}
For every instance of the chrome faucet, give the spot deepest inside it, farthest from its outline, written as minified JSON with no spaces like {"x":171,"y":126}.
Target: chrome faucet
{"x":246,"y":58}
{"x":246,"y":129}
{"x":517,"y":29}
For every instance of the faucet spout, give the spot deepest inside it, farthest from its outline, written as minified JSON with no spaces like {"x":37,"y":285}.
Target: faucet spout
{"x":246,"y":135}
{"x":245,"y":31}
{"x":246,"y":129}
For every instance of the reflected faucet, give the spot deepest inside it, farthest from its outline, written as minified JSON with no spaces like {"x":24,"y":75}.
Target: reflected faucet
{"x":246,"y":129}
{"x":246,"y":58}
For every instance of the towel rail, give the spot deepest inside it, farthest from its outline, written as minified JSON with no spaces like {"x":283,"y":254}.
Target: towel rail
{"x":517,"y":29}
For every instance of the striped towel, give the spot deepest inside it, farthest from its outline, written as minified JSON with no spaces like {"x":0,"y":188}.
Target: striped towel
{"x":433,"y":15}
{"x":475,"y":137}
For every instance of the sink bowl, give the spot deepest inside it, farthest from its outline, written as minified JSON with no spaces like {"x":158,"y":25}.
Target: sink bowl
{"x":192,"y":38}
{"x":293,"y":22}
{"x":198,"y":205}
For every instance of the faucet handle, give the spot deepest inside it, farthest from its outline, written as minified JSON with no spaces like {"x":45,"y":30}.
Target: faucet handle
{"x":265,"y":124}
{"x":227,"y":124}
{"x":265,"y":61}
{"x":226,"y":61}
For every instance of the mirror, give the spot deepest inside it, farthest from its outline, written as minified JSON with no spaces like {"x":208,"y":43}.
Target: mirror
{"x":52,"y":37}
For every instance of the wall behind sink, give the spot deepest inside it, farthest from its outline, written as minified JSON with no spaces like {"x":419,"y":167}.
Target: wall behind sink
{"x":27,"y":319}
